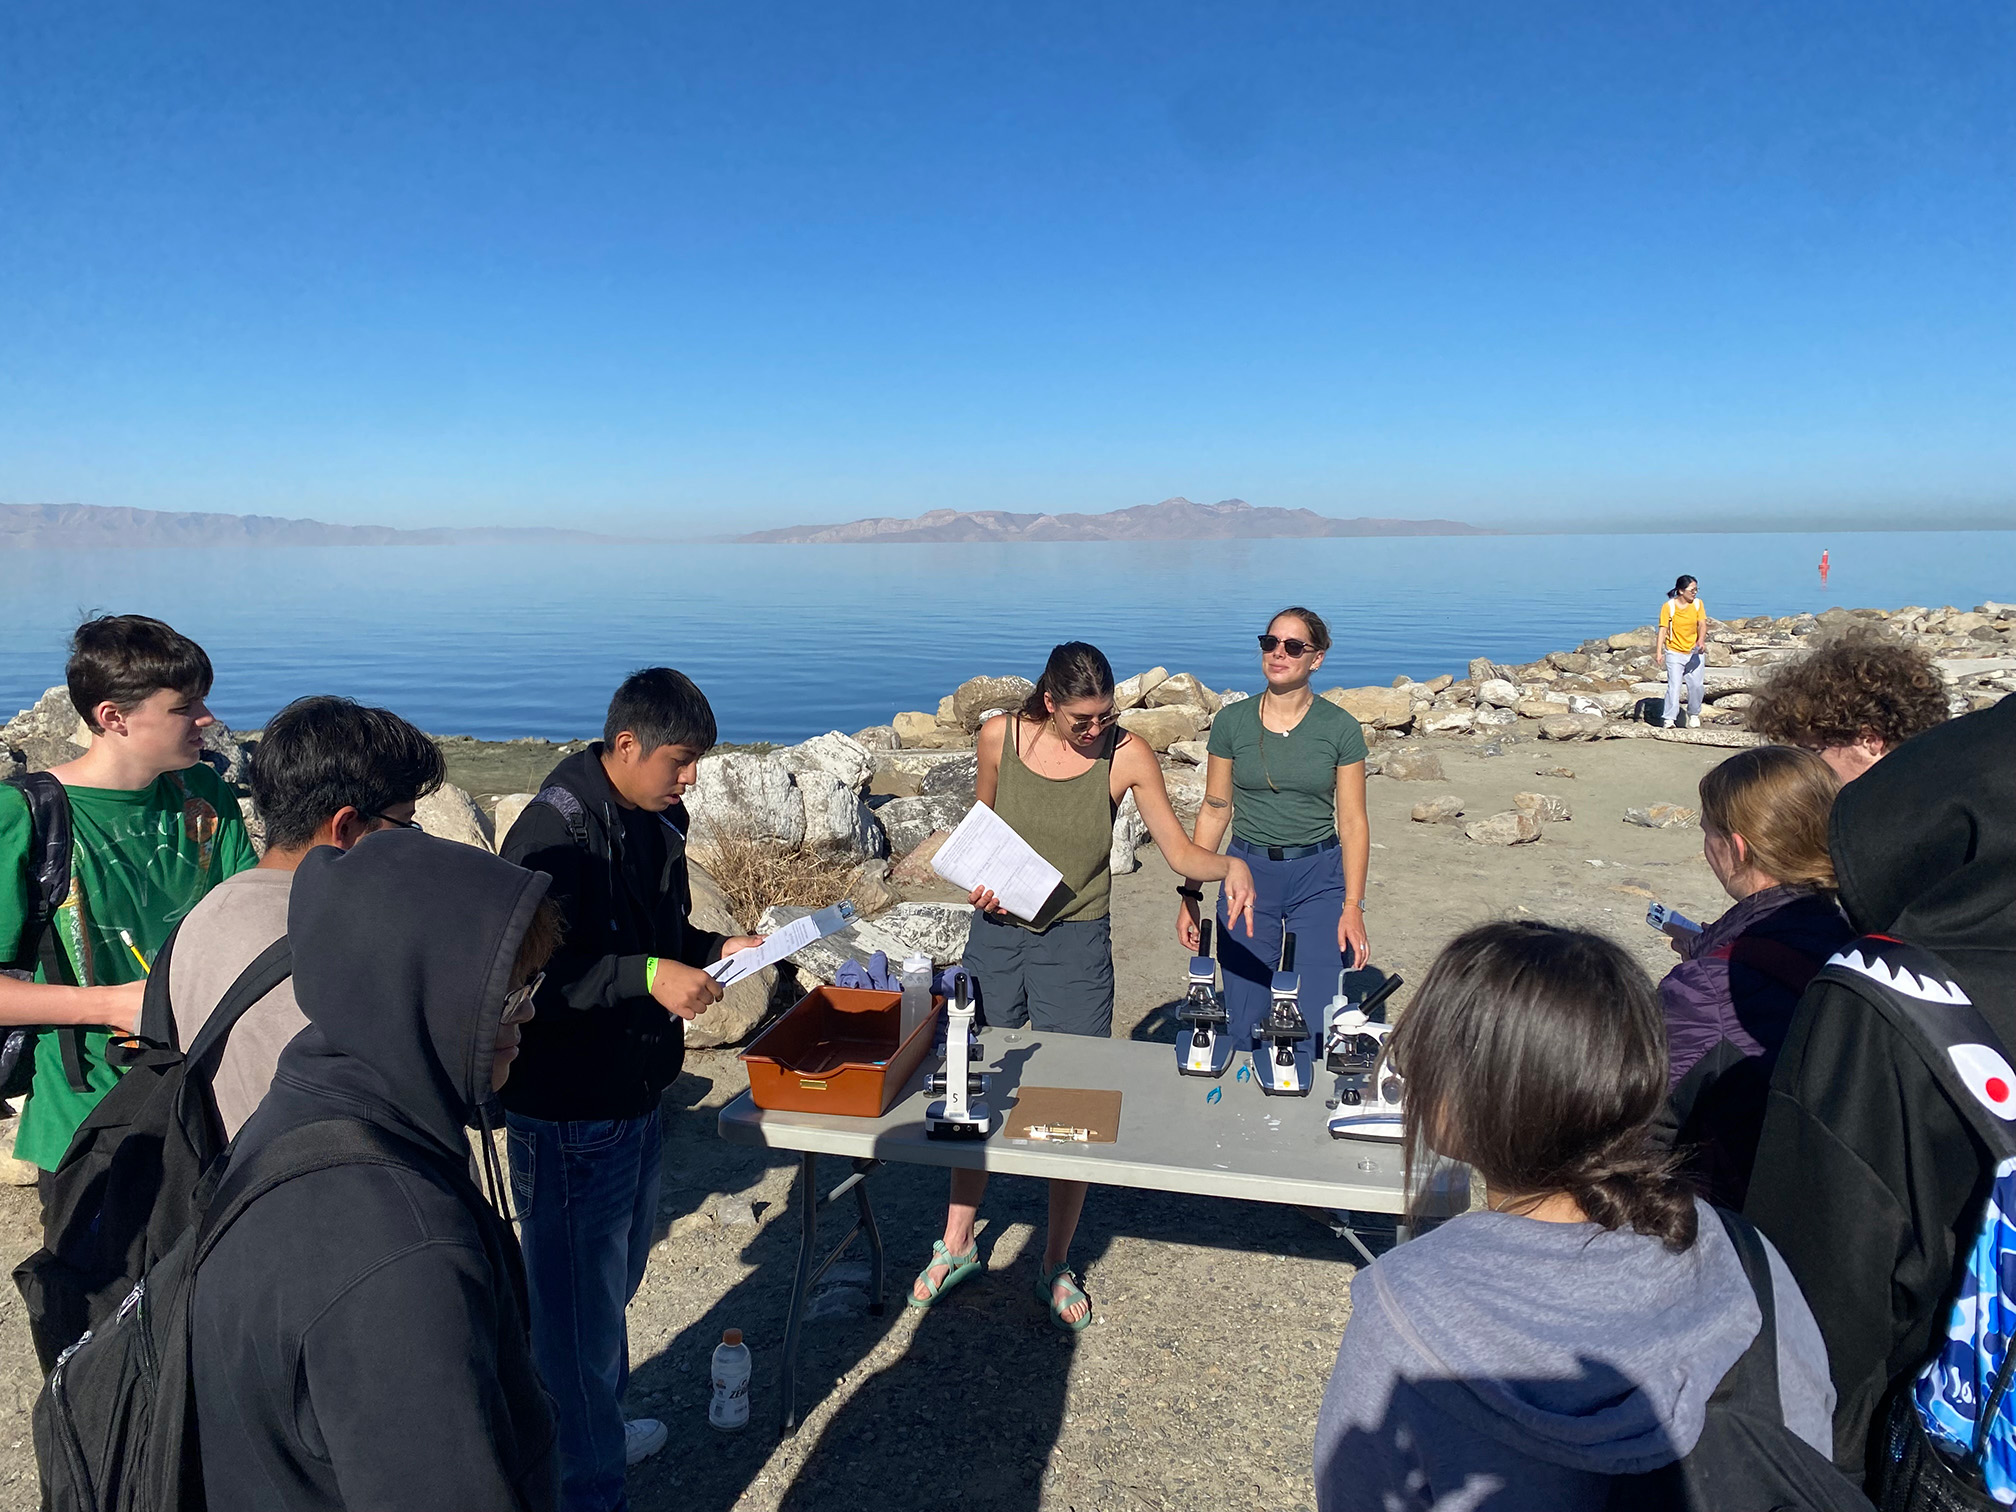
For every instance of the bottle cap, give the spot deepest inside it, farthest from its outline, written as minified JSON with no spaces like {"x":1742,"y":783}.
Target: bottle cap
{"x":732,"y":1337}
{"x":918,"y":962}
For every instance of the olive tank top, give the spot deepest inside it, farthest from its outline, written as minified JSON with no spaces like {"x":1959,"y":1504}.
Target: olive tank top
{"x":1068,"y":821}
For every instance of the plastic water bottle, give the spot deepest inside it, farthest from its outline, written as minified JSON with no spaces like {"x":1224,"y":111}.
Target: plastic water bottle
{"x":729,"y":1411}
{"x":916,"y":979}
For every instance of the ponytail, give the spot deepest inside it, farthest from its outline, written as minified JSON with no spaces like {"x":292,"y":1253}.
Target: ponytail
{"x":1075,"y":670}
{"x":1685,"y":580}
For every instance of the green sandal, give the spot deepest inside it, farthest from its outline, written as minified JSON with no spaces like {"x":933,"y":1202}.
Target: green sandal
{"x":1046,"y":1293}
{"x":962,"y":1267}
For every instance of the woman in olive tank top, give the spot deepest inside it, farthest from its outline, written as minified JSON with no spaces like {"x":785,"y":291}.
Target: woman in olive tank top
{"x":1056,"y":772}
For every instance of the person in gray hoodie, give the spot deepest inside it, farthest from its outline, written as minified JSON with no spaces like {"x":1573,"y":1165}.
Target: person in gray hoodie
{"x":1526,"y":1356}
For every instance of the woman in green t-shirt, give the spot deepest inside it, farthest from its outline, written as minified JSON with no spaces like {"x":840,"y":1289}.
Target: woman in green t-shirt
{"x":1287,"y":771}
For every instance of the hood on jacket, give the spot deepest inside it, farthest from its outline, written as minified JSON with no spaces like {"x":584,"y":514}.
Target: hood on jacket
{"x":403,"y":948}
{"x":1590,"y":1349}
{"x":1924,"y":847}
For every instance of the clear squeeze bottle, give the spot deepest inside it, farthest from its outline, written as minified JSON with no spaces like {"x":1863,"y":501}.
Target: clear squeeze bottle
{"x":729,"y":1411}
{"x":916,"y":979}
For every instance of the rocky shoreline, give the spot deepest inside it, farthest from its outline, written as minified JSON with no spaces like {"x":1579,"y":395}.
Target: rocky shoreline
{"x":871,"y":808}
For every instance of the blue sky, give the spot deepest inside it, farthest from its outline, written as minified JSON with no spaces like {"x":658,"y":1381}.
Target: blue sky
{"x":688,"y":267}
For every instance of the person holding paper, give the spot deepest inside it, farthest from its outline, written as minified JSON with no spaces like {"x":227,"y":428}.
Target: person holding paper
{"x":1056,"y":772}
{"x":1286,"y":771}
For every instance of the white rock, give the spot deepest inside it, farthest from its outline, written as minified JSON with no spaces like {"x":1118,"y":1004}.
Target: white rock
{"x":837,"y":822}
{"x":1183,"y":690}
{"x":1446,"y":721}
{"x":1494,"y":719}
{"x":1132,"y":691}
{"x":1129,"y":831}
{"x":740,"y":795}
{"x":1186,"y":793}
{"x":743,"y":1005}
{"x":1512,"y":827}
{"x":837,"y":755}
{"x":1195,"y":752}
{"x":509,"y":807}
{"x":936,"y":929}
{"x":452,"y":814}
{"x":910,"y":821}
{"x":1497,"y":692}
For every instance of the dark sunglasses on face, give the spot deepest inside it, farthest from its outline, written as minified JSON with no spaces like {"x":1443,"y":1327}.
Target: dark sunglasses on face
{"x":411,"y":824}
{"x":1085,"y":724}
{"x":518,"y":1004}
{"x":1295,"y":648}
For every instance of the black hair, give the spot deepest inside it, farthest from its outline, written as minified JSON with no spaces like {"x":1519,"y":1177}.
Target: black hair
{"x":1537,"y":1054}
{"x":1075,"y":670}
{"x":1319,"y":633}
{"x":1685,"y":580}
{"x":660,"y":707}
{"x":125,"y":659}
{"x":323,"y":753}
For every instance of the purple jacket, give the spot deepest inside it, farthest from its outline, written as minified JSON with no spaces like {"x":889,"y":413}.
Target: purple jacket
{"x":1728,"y":1006}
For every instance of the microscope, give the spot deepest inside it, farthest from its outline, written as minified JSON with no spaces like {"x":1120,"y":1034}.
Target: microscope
{"x":1369,"y":1090}
{"x":1282,"y":1041}
{"x":1203,"y":1047}
{"x":960,"y":1113}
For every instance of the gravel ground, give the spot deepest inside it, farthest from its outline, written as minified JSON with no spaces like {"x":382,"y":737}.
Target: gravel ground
{"x":1216,"y":1321}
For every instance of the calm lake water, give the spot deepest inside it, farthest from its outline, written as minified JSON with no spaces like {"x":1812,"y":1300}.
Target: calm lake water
{"x":505,"y":640}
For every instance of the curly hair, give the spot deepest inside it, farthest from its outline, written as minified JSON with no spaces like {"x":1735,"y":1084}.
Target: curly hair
{"x":1859,"y":683}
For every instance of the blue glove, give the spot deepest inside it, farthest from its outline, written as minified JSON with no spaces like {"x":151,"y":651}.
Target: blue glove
{"x":875,"y":976}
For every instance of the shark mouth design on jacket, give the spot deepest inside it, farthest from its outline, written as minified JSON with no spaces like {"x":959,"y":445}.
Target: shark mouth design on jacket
{"x":1925,"y":988}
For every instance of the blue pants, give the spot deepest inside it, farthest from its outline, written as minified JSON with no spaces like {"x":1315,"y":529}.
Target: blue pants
{"x":586,"y":1195}
{"x":1307,"y":898}
{"x":1683,"y":668}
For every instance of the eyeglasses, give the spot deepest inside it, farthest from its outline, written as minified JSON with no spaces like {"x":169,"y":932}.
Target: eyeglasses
{"x":1295,"y":648}
{"x":411,"y":824}
{"x":1085,"y":724}
{"x":518,"y":1005}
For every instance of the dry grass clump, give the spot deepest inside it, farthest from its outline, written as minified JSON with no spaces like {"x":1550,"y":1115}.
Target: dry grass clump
{"x":754,"y":874}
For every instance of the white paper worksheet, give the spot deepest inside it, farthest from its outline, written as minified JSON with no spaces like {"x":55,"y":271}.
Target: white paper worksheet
{"x":780,"y":943}
{"x":985,"y":852}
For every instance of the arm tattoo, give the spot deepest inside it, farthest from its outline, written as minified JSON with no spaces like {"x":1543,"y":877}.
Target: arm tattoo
{"x":1219,"y":802}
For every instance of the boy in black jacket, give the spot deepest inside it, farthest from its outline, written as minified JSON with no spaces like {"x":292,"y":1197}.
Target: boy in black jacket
{"x":1867,"y":1177}
{"x":609,"y":828}
{"x":358,"y":1337}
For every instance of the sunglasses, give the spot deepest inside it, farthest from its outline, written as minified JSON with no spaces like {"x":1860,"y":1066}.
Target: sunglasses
{"x":1085,"y":724}
{"x":518,"y":1004}
{"x":411,"y":824}
{"x":1295,"y":648}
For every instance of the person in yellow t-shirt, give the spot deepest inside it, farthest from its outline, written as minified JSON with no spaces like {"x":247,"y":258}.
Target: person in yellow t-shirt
{"x":1683,"y":643}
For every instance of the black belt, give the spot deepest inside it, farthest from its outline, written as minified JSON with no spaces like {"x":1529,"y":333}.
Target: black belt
{"x":1284,"y":852}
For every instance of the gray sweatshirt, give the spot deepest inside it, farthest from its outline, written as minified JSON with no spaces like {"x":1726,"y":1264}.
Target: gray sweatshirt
{"x":1508,"y":1364}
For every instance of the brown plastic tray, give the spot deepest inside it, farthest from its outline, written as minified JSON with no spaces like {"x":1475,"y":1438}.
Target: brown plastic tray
{"x":835,"y":1051}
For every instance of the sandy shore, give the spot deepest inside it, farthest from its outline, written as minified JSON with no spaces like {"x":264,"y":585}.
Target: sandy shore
{"x":1217,"y":1321}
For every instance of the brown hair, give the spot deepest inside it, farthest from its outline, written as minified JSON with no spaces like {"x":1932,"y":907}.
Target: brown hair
{"x":1538,"y":1055}
{"x":1075,"y":670}
{"x":542,"y":938}
{"x":125,"y":659}
{"x":1778,"y":799}
{"x":1861,"y":682}
{"x":1319,"y":633}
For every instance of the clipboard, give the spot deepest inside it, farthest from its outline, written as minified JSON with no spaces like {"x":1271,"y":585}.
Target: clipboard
{"x":1067,"y":1113}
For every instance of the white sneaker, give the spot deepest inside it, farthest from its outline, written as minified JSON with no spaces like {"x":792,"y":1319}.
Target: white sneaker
{"x":1693,"y":721}
{"x":642,"y":1438}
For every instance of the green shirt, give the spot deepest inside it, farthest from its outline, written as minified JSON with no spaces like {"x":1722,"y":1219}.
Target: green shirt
{"x":139,"y":862}
{"x":1284,"y":787}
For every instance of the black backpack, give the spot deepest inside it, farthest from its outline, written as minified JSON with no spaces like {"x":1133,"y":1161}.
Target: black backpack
{"x":129,"y":1183}
{"x":49,"y":850}
{"x":1746,"y":1459}
{"x":115,"y":1425}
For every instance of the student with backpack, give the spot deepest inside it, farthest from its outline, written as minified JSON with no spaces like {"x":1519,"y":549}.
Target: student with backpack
{"x":1598,"y":1337}
{"x":326,"y":771}
{"x":609,"y":828}
{"x":99,"y":859}
{"x":1871,"y":1175}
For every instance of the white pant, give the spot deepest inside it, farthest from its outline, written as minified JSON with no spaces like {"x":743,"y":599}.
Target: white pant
{"x":1687,"y":666}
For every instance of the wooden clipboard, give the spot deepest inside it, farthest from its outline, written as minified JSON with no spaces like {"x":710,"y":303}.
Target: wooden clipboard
{"x":1064,"y":1110}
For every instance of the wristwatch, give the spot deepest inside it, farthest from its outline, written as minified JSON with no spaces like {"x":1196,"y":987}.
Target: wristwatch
{"x":1357,"y":903}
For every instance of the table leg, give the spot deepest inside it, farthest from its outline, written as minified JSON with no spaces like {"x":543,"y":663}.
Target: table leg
{"x":867,"y":1224}
{"x":808,"y":1239}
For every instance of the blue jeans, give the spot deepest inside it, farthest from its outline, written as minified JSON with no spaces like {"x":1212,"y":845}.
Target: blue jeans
{"x":1683,"y":668}
{"x":586,"y":1195}
{"x":1306,"y":897}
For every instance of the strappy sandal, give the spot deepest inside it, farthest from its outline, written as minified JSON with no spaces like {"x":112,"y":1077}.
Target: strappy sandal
{"x":962,"y":1266}
{"x":1046,"y":1293}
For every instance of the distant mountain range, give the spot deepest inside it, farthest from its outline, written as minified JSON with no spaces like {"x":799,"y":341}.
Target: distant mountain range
{"x":1171,"y":520}
{"x":29,"y":525}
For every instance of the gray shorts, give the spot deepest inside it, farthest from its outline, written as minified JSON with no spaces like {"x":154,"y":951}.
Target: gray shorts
{"x":1059,"y":981}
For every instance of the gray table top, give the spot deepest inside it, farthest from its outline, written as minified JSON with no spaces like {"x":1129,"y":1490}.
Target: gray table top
{"x":1171,"y":1138}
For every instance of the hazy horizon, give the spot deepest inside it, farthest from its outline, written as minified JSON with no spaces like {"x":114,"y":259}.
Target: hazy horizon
{"x":701,"y":271}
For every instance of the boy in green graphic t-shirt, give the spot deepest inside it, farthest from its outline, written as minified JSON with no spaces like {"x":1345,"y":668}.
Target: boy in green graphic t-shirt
{"x":152,"y":830}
